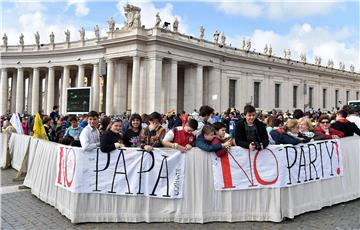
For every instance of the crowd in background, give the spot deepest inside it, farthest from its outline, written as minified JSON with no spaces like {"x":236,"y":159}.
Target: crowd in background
{"x":203,"y":128}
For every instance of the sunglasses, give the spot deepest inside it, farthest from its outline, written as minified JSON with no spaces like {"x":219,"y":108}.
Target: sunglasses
{"x":325,"y":122}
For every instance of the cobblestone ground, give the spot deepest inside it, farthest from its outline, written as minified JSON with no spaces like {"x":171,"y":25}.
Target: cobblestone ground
{"x":22,"y":210}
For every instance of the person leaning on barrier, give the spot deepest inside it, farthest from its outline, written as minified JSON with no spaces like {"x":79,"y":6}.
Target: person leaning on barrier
{"x":323,"y":128}
{"x":181,"y":138}
{"x":90,"y":136}
{"x":152,"y":135}
{"x":344,"y":125}
{"x":132,"y":134}
{"x":306,"y":129}
{"x":203,"y":141}
{"x":221,"y":137}
{"x":250,"y":133}
{"x":112,"y":138}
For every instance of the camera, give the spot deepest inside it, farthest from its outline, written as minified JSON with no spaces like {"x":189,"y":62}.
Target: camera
{"x":257,"y":145}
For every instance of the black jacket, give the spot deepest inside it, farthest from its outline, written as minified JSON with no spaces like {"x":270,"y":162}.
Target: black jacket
{"x":108,"y":140}
{"x":240,"y":135}
{"x":347,"y":127}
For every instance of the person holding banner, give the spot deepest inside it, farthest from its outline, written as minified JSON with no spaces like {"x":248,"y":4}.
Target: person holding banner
{"x":153,"y":134}
{"x":204,"y":140}
{"x":112,"y":138}
{"x":90,"y":136}
{"x":250,"y":133}
{"x":221,"y":137}
{"x":181,"y":138}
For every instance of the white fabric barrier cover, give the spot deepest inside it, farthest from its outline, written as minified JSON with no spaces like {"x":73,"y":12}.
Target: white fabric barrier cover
{"x":277,"y":166}
{"x":3,"y":150}
{"x":131,"y":172}
{"x":18,"y":146}
{"x":201,"y":202}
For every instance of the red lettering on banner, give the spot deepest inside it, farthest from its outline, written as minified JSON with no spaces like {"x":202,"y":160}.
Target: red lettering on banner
{"x":226,"y":171}
{"x":338,"y":157}
{"x":60,"y":165}
{"x":68,"y":183}
{"x":256,"y":172}
{"x":251,"y":181}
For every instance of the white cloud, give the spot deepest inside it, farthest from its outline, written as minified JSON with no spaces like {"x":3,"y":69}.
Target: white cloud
{"x":277,"y":9}
{"x":318,"y":41}
{"x":149,"y":11}
{"x":81,"y":8}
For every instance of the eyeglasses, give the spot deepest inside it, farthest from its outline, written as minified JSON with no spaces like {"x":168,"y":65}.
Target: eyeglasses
{"x":325,"y":122}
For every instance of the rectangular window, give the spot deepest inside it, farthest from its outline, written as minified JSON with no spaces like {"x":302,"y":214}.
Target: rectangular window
{"x":347,"y":96}
{"x":324,"y":98}
{"x":295,"y":89}
{"x":357,"y":95}
{"x":232,"y":92}
{"x":277,"y":95}
{"x":256,"y":94}
{"x":311,"y":90}
{"x":336,"y":98}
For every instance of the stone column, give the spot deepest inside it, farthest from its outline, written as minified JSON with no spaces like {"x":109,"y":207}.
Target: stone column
{"x":109,"y":87}
{"x":3,"y":91}
{"x":214,"y":88}
{"x":29,"y":96}
{"x":95,"y":87}
{"x":35,"y":91}
{"x":154,"y":84}
{"x":121,"y":86}
{"x":135,"y":92}
{"x":80,"y":78}
{"x":20,"y":91}
{"x":199,"y":86}
{"x":173,"y":85}
{"x":50,"y":90}
{"x":65,"y":85}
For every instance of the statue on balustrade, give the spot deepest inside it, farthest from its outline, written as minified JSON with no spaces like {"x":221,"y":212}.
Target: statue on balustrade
{"x":176,"y":25}
{"x":222,"y":39}
{"x":216,"y":36}
{"x":5,"y":40}
{"x":342,"y":66}
{"x":248,"y":45}
{"x":352,"y":68}
{"x":82,"y":34}
{"x":21,"y":39}
{"x":317,"y":60}
{"x":111,"y":24}
{"x":202,"y":32}
{"x":67,"y":36}
{"x":133,"y":17}
{"x":97,"y":32}
{"x":158,"y":20}
{"x":330,"y":63}
{"x":303,"y":57}
{"x":266,"y":49}
{"x":37,"y":38}
{"x":52,"y":38}
{"x":270,"y":50}
{"x":243,"y":43}
{"x":287,"y":53}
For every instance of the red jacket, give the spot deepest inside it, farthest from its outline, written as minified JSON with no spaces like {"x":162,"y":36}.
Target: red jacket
{"x":222,"y":151}
{"x":332,"y":132}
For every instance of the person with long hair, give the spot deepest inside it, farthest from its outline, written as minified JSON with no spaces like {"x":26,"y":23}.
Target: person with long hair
{"x":112,"y":138}
{"x":132,"y":134}
{"x":153,"y":134}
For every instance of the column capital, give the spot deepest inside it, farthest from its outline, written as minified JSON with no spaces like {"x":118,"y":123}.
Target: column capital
{"x":110,"y":60}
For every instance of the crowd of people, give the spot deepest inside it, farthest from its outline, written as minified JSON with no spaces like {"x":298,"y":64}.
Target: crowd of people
{"x":210,"y":131}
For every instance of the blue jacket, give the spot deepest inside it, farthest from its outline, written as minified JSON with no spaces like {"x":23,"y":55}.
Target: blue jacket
{"x":206,"y":145}
{"x":281,"y":137}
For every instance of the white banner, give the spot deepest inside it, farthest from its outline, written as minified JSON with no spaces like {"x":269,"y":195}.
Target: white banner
{"x":121,"y":172}
{"x":277,"y":166}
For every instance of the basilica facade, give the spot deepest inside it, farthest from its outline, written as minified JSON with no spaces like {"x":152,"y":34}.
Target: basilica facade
{"x":159,"y":69}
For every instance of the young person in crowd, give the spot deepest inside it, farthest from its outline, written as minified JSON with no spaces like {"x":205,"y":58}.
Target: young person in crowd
{"x":54,"y":115}
{"x":184,"y":118}
{"x":132,"y":134}
{"x":323,"y":128}
{"x":24,"y":126}
{"x":250,"y":132}
{"x":306,"y":129}
{"x":297,"y":114}
{"x":90,"y":135}
{"x":203,"y":141}
{"x":344,"y":125}
{"x":153,"y":134}
{"x":104,"y":123}
{"x":74,"y":131}
{"x":50,"y":132}
{"x":280,"y":135}
{"x":220,"y":137}
{"x":205,"y":113}
{"x":181,"y":138}
{"x":292,"y":128}
{"x":352,"y":115}
{"x":83,"y":120}
{"x":112,"y":138}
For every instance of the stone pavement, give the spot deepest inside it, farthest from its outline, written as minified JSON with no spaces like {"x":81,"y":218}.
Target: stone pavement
{"x":22,"y":210}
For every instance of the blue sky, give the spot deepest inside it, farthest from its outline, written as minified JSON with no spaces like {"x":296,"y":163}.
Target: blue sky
{"x":329,"y":29}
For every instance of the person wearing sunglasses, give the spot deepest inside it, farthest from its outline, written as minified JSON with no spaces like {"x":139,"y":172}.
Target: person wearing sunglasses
{"x":323,"y":128}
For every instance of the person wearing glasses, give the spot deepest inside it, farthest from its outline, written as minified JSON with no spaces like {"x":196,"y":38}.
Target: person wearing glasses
{"x":323,"y":128}
{"x":112,"y":138}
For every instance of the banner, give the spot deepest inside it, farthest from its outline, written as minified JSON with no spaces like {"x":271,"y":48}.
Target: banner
{"x":277,"y":166}
{"x":121,"y":172}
